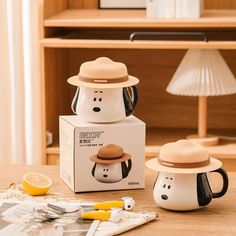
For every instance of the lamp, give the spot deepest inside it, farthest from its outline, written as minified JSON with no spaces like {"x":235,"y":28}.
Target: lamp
{"x":203,"y":73}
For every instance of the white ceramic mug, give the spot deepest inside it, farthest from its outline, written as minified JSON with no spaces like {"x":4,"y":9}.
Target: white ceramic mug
{"x":104,"y":105}
{"x":184,"y":192}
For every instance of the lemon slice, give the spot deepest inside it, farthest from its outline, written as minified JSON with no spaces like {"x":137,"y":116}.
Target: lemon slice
{"x":36,"y":184}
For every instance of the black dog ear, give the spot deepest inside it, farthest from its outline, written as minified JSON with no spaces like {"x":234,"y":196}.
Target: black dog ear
{"x":126,"y":169}
{"x":204,"y":193}
{"x":130,"y":100}
{"x":93,"y":170}
{"x":75,"y":100}
{"x":155,"y":182}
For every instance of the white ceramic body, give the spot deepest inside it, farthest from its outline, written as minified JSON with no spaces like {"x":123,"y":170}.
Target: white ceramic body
{"x":180,"y":189}
{"x":108,"y":173}
{"x":108,"y":102}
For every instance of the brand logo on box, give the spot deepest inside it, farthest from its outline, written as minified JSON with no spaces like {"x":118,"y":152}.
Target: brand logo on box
{"x":89,"y":135}
{"x":89,"y":138}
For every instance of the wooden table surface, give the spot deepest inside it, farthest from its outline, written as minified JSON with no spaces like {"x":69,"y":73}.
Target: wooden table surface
{"x":218,"y":218}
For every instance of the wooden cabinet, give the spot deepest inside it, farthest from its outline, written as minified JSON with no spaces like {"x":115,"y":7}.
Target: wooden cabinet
{"x":74,"y":31}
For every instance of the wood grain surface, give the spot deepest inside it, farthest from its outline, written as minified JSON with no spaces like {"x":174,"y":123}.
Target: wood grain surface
{"x":137,"y":19}
{"x":219,"y":4}
{"x":218,"y":218}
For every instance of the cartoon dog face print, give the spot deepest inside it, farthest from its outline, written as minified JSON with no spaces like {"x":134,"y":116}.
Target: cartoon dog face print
{"x":111,"y":173}
{"x":176,"y":191}
{"x":99,"y":105}
{"x":129,"y":203}
{"x":166,"y":186}
{"x":104,"y":105}
{"x":107,"y":173}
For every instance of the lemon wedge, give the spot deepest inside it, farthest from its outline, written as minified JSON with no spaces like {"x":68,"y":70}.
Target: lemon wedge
{"x":36,"y":184}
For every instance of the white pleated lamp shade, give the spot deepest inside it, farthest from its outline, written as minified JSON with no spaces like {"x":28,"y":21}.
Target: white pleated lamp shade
{"x":202,"y":73}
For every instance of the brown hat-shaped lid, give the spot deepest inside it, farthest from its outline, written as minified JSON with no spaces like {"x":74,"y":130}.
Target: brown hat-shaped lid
{"x":183,"y":154}
{"x":111,"y":153}
{"x":184,"y":157}
{"x":103,"y":73}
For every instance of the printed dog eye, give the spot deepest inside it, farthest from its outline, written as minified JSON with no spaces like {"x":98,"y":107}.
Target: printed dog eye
{"x":100,"y":91}
{"x":104,"y":169}
{"x":107,"y":169}
{"x":164,"y":185}
{"x":95,"y":91}
{"x":100,"y":99}
{"x":168,"y":186}
{"x":95,"y":99}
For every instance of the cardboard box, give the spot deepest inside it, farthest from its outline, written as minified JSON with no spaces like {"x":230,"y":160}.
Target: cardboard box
{"x":79,"y":140}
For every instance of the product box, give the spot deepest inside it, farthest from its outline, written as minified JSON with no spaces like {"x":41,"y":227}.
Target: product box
{"x":99,"y":157}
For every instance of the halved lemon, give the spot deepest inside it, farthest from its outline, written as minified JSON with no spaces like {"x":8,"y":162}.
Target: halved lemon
{"x":36,"y":183}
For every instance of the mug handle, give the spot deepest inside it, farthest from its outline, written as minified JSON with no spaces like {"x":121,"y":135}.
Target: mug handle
{"x":224,"y":189}
{"x":134,"y":96}
{"x":130,"y":96}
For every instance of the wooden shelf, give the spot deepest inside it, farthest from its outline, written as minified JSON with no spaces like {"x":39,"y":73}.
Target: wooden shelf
{"x":137,"y":19}
{"x":139,"y":44}
{"x":72,"y":33}
{"x":156,"y":137}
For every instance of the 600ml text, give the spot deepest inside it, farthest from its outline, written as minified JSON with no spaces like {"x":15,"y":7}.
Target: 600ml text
{"x":133,"y":183}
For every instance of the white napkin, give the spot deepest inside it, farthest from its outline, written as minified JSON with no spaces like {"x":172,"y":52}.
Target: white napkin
{"x":129,"y":221}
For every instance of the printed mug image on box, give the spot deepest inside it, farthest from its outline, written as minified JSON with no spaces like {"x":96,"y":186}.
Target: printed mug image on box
{"x":111,"y":164}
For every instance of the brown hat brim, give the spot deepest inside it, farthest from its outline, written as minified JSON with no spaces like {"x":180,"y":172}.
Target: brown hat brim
{"x":95,"y":158}
{"x":214,"y":164}
{"x":74,"y":80}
